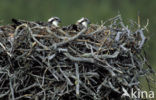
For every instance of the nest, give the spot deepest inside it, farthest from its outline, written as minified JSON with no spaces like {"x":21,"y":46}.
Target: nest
{"x":100,"y":62}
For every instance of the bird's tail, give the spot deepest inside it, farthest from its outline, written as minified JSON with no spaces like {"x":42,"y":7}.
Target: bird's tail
{"x":15,"y":21}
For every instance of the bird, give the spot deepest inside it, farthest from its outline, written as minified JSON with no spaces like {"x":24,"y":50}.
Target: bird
{"x":54,"y":21}
{"x":17,"y":22}
{"x":83,"y":22}
{"x":78,"y":26}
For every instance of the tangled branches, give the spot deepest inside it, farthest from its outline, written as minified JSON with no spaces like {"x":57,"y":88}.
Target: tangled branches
{"x":44,"y":62}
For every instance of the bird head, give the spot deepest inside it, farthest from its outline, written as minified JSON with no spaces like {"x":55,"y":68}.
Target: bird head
{"x":83,"y":21}
{"x":54,"y":21}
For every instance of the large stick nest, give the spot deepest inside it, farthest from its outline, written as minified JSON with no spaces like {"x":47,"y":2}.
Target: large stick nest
{"x":46,"y":63}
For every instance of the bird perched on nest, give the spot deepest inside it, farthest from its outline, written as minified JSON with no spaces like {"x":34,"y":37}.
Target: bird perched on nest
{"x":80,"y":24}
{"x":54,"y":21}
{"x":17,"y":22}
{"x":83,"y":22}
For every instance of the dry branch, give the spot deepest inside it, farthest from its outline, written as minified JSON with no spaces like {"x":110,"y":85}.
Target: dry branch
{"x":98,"y":63}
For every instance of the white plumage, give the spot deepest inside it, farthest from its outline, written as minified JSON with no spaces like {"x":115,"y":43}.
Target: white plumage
{"x":83,"y":21}
{"x":54,"y":21}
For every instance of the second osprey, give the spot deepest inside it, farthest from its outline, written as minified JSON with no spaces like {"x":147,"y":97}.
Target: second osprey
{"x":80,"y":24}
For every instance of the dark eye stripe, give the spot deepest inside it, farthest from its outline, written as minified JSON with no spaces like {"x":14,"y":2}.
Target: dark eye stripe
{"x":55,"y":19}
{"x":85,"y":20}
{"x":82,"y":21}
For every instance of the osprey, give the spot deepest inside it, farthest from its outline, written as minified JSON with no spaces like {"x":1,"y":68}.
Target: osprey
{"x":80,"y":24}
{"x":83,"y":22}
{"x":54,"y":21}
{"x":17,"y":22}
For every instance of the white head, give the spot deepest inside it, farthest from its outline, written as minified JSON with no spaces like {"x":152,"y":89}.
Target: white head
{"x":84,"y":22}
{"x":54,"y":21}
